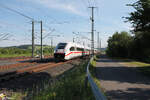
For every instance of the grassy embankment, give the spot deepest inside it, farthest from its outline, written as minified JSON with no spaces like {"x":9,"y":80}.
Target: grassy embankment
{"x":69,"y":87}
{"x":14,"y":55}
{"x":92,"y":69}
{"x":20,"y":55}
{"x":141,"y":66}
{"x":94,"y":73}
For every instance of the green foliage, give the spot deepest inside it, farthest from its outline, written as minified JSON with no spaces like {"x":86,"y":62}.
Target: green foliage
{"x":138,"y":46}
{"x":70,"y":87}
{"x":24,"y":50}
{"x":93,"y":72}
{"x":119,"y":44}
{"x":140,"y":18}
{"x":13,"y":51}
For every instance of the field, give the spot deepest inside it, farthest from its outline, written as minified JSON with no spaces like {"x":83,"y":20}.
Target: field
{"x":24,"y":51}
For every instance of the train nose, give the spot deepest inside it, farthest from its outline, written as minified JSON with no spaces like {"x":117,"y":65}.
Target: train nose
{"x":60,"y":51}
{"x":60,"y":54}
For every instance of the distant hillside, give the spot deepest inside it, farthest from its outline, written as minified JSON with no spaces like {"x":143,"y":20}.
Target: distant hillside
{"x":28,"y":46}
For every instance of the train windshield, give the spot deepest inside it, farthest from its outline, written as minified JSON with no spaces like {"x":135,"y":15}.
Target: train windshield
{"x":61,"y":45}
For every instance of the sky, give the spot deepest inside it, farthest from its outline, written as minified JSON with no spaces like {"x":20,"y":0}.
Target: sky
{"x":60,"y":19}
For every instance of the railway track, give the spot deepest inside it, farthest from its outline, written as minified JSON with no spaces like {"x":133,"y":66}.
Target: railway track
{"x":26,"y":62}
{"x":20,"y":58}
{"x":6,"y":67}
{"x":29,"y":70}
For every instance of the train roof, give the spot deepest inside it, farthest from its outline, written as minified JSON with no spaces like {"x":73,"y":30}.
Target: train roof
{"x":76,"y":44}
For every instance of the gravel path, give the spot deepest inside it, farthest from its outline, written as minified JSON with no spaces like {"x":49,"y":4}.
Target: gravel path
{"x":121,"y":82}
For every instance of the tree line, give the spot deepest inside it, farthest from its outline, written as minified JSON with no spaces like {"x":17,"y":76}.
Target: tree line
{"x":137,"y":44}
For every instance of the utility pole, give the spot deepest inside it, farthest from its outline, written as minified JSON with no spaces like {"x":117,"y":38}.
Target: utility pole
{"x":98,"y":42}
{"x":92,"y":30}
{"x":73,"y":39}
{"x":33,"y":46}
{"x":51,"y":41}
{"x":52,"y":45}
{"x":41,"y":42}
{"x":100,"y":45}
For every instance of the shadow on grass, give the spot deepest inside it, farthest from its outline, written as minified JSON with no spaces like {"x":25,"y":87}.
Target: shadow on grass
{"x":145,"y":70}
{"x":129,"y":94}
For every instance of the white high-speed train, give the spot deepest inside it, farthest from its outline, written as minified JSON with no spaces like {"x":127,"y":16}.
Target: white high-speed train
{"x":66,"y":51}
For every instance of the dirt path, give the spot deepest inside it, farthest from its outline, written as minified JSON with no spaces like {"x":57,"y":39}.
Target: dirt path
{"x":120,"y":82}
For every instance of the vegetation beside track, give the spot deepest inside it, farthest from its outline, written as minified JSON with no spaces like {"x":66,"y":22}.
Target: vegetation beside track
{"x":24,"y":51}
{"x":69,"y":87}
{"x":92,"y":69}
{"x":135,"y":46}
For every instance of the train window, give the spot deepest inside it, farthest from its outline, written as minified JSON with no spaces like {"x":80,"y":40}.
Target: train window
{"x":72,"y":49}
{"x":80,"y":49}
{"x":62,"y":45}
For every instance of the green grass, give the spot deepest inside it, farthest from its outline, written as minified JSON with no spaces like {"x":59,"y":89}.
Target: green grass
{"x":141,"y":66}
{"x":17,"y":96}
{"x":93,"y":70}
{"x":70,"y":87}
{"x":14,"y":55}
{"x":20,"y":55}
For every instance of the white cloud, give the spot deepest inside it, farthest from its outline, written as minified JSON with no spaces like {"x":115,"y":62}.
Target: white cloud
{"x":71,"y":7}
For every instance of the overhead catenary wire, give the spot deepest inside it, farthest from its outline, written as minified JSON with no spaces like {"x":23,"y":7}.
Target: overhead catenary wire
{"x":15,"y":11}
{"x":28,"y":17}
{"x":48,"y":34}
{"x":5,"y":36}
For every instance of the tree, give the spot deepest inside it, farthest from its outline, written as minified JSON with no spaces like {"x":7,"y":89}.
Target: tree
{"x":119,"y":44}
{"x":140,"y":18}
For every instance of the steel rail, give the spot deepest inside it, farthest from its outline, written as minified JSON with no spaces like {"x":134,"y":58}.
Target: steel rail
{"x":32,"y":69}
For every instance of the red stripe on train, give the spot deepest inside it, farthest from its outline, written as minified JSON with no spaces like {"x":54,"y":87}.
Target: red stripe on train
{"x":75,"y":52}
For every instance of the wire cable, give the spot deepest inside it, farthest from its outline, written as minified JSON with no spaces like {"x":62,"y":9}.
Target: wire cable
{"x":10,"y":9}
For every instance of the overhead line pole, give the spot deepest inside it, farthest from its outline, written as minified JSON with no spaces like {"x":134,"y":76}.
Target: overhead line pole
{"x":98,"y":42}
{"x":33,"y":46}
{"x":92,"y":30}
{"x":51,"y":45}
{"x":41,"y":41}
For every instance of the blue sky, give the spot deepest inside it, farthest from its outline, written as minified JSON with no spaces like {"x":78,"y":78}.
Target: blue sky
{"x":65,"y":16}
